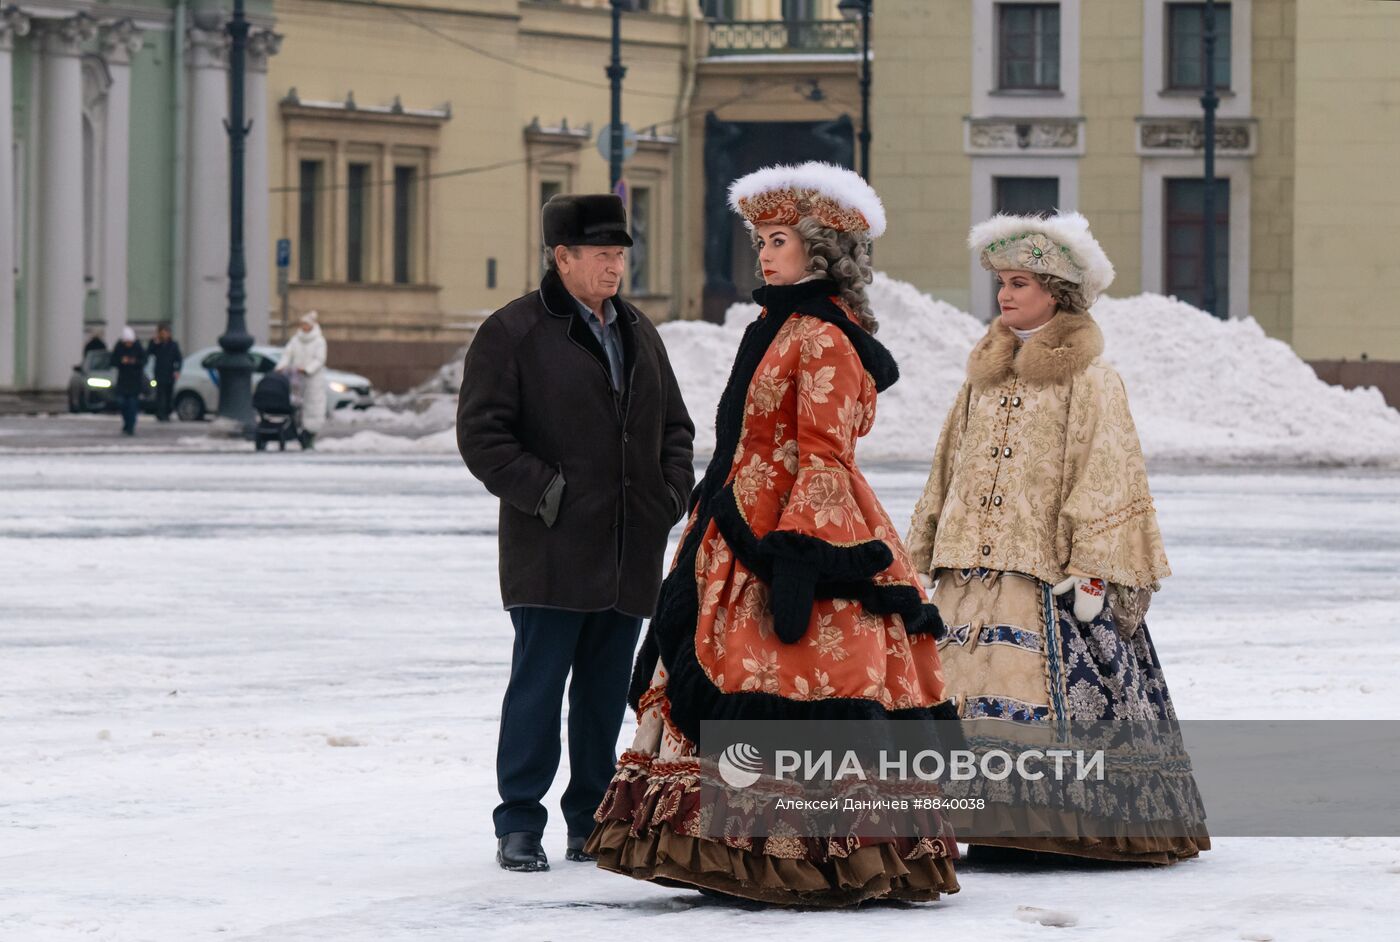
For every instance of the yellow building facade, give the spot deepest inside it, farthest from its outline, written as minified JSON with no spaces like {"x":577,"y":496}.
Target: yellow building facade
{"x":413,"y":145}
{"x":1021,"y":105}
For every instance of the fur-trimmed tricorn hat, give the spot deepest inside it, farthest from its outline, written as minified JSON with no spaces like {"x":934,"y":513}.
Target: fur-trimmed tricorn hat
{"x":585,"y":219}
{"x":785,"y":195}
{"x":1060,"y":245}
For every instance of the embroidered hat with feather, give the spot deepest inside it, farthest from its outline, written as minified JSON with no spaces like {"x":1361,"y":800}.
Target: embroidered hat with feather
{"x":1060,"y":245}
{"x":784,"y":195}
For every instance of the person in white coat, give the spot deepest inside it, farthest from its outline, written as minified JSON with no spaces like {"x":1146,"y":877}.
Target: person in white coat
{"x":306,"y":355}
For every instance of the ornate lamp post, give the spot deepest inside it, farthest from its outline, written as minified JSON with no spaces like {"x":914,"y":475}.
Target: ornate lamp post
{"x":615,"y":72}
{"x":1209,"y":102}
{"x":236,"y":366}
{"x":851,"y":9}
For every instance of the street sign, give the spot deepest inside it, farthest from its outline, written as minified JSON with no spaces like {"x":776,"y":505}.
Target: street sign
{"x":629,"y":142}
{"x":284,"y":253}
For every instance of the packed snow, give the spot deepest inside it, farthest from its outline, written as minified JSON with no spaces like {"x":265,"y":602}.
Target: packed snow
{"x":1203,"y":391}
{"x":255,"y":697}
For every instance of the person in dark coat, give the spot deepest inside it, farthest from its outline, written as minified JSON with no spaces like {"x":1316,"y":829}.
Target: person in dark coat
{"x":95,"y":342}
{"x":571,"y":415}
{"x":129,"y":360}
{"x":167,"y":361}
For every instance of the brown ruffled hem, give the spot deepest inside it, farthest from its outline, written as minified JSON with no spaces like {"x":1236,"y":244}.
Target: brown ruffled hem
{"x":661,"y":855}
{"x":1160,"y":843}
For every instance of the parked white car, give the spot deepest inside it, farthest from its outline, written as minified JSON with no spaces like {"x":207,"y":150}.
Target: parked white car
{"x":197,"y":390}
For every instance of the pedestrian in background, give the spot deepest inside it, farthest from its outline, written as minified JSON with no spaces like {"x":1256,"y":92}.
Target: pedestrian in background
{"x":129,"y":360}
{"x":167,"y":361}
{"x":305,"y":357}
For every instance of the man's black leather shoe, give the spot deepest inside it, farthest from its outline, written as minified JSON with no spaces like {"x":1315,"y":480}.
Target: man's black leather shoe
{"x":574,"y":851}
{"x":521,"y":852}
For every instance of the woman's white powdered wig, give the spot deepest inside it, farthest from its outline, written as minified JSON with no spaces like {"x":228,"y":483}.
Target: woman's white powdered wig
{"x":1060,"y":245}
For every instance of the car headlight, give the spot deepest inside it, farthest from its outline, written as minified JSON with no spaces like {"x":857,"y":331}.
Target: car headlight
{"x":153,"y":382}
{"x":97,"y":382}
{"x":339,"y":387}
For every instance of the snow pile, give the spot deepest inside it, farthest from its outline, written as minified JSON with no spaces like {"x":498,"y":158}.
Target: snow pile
{"x":1203,"y":391}
{"x":371,"y":442}
{"x":930,"y":339}
{"x":1207,"y":390}
{"x":400,"y":415}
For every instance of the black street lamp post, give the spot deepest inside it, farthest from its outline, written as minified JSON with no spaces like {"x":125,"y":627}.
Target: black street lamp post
{"x":615,"y":71}
{"x":851,"y":9}
{"x":236,"y":366}
{"x":1209,"y":102}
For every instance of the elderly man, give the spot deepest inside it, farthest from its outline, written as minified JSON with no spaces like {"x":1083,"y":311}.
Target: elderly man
{"x":571,"y":415}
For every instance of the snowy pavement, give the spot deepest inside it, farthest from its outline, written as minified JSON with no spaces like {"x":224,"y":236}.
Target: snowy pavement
{"x":255,"y":697}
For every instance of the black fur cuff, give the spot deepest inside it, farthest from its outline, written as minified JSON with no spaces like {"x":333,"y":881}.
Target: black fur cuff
{"x":926,"y":622}
{"x":827,"y":561}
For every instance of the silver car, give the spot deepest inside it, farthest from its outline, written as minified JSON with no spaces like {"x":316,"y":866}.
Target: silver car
{"x":91,"y":384}
{"x":197,"y":389}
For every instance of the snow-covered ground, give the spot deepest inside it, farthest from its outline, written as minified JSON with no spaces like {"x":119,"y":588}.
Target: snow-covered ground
{"x":255,"y":697}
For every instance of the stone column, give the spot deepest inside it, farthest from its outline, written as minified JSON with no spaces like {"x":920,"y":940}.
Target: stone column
{"x":257,"y":227}
{"x":206,"y":236}
{"x":13,"y":24}
{"x":120,"y":41}
{"x":61,"y":293}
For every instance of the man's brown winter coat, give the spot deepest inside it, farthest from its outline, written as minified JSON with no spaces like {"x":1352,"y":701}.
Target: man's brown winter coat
{"x":537,"y":402}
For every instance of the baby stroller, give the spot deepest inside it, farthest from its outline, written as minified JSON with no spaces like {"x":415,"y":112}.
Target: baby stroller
{"x":278,"y":403}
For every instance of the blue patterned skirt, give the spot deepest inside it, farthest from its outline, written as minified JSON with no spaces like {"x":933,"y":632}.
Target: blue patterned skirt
{"x":1027,"y":675}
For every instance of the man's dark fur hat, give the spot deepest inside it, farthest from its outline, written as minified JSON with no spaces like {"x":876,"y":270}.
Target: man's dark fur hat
{"x":586,"y":219}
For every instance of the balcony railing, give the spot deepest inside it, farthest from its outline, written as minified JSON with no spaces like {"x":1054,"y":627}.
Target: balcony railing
{"x":749,"y":38}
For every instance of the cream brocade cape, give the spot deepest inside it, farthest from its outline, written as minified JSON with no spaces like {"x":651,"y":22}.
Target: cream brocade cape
{"x":1038,"y":468}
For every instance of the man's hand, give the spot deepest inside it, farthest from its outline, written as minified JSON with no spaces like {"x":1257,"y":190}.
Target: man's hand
{"x":548,"y":510}
{"x":1088,"y":596}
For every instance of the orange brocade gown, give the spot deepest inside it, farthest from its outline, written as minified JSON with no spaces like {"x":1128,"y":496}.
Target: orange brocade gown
{"x":783,"y":491}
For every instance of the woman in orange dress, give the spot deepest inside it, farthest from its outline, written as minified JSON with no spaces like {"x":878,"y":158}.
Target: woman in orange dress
{"x":791,"y":596}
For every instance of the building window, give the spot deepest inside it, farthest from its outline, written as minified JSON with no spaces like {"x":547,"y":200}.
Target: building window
{"x":1185,"y":241}
{"x":1028,"y":46}
{"x":548,"y":190}
{"x":405,"y":179}
{"x":719,"y":9}
{"x":356,"y":230}
{"x":1186,"y":46}
{"x":308,"y":218}
{"x":1027,"y":196}
{"x":640,"y":256}
{"x":800,"y":10}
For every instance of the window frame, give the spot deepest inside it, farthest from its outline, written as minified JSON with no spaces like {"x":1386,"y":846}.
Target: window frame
{"x":364,"y":238}
{"x":1000,"y":180}
{"x":1001,"y":12}
{"x":646,"y":268}
{"x":311,"y":264}
{"x":1198,"y":222}
{"x":1225,"y":15}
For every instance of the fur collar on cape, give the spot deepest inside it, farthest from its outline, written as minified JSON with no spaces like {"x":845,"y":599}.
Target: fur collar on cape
{"x":1058,"y":353}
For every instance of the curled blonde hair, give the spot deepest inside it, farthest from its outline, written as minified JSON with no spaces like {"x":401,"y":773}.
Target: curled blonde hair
{"x":841,"y":256}
{"x":1069,"y":297}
